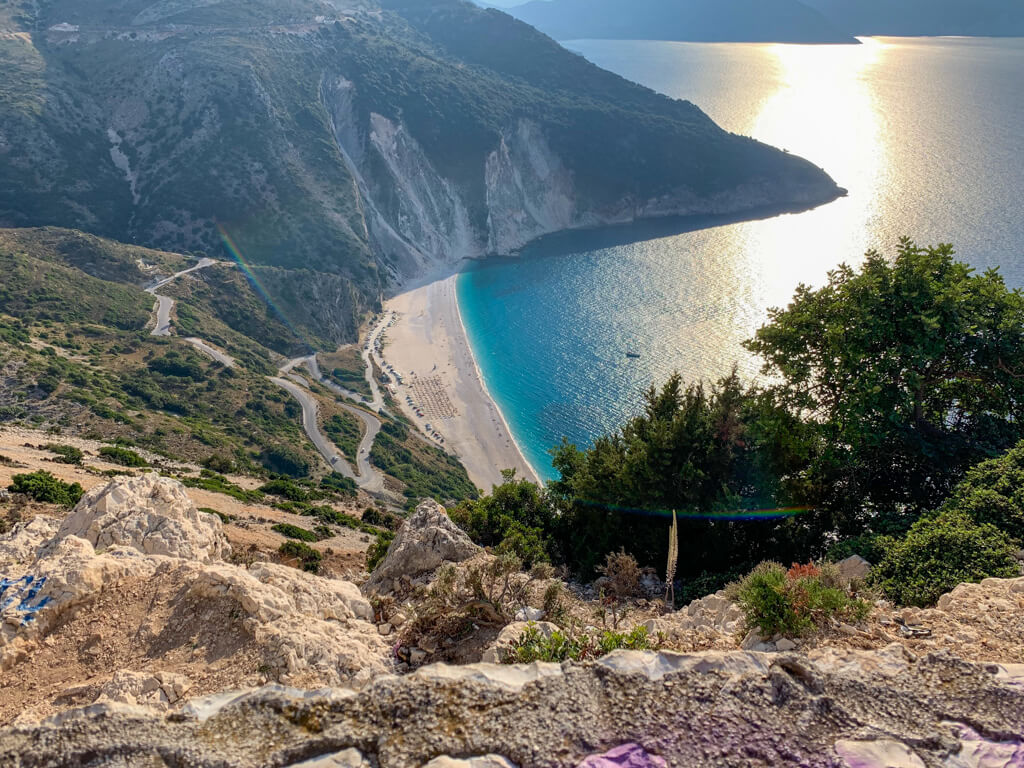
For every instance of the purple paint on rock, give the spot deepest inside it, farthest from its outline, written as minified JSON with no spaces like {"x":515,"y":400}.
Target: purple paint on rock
{"x":625,"y":756}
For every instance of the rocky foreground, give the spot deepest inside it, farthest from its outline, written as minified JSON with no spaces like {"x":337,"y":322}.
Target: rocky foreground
{"x":175,"y":646}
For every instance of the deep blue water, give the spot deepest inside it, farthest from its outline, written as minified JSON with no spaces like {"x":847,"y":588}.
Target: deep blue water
{"x":926,"y":134}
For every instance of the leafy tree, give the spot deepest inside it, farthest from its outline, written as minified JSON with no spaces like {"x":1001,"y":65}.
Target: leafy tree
{"x":939,"y":552}
{"x":993,"y":492}
{"x":903,"y":374}
{"x":693,"y":449}
{"x":517,"y":518}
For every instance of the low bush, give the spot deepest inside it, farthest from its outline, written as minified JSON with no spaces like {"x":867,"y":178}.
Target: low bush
{"x":286,"y":489}
{"x":532,"y":645}
{"x":123,"y":456}
{"x":993,"y":492}
{"x":309,"y":559}
{"x":294,"y":532}
{"x":378,"y":549}
{"x":211,"y":481}
{"x":794,"y":602}
{"x":43,"y":486}
{"x":66,"y":454}
{"x":939,"y":552}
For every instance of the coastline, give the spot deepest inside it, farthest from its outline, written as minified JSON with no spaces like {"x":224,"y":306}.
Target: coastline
{"x":429,"y":347}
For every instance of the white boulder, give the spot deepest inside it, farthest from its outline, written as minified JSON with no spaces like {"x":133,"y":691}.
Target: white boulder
{"x":426,"y":540}
{"x":153,"y":514}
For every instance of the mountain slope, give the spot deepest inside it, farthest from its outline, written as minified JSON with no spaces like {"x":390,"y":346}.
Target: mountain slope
{"x":693,"y":20}
{"x":993,"y":18}
{"x":338,"y":148}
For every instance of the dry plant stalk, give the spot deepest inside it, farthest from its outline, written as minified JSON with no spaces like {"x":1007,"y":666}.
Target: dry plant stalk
{"x":673,"y":558}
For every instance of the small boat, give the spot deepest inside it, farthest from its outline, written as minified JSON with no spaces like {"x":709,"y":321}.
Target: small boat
{"x":633,"y":354}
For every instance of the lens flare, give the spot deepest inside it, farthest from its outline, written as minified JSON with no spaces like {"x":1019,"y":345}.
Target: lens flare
{"x":732,"y":515}
{"x":239,"y":259}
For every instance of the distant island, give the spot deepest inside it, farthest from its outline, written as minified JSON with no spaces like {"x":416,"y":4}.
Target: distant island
{"x":911,"y":18}
{"x":754,"y":21}
{"x":779,"y":21}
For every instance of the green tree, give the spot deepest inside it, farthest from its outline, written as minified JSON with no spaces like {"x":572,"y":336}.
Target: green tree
{"x":900,"y":376}
{"x":993,"y":492}
{"x":517,"y":517}
{"x":696,"y":449}
{"x":939,"y":552}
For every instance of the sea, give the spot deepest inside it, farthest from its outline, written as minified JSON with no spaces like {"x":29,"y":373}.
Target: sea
{"x":926,"y":134}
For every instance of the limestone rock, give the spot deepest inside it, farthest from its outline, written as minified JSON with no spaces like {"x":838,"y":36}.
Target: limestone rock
{"x":881,"y":753}
{"x":159,"y":690}
{"x":484,"y":761}
{"x":22,"y":543}
{"x":153,"y":514}
{"x":425,"y":541}
{"x":347,"y":758}
{"x":625,"y":756}
{"x":785,"y":644}
{"x":854,"y":567}
{"x":689,"y":709}
{"x":509,"y":634}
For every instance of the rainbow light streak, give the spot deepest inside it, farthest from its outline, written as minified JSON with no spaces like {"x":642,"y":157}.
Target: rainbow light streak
{"x":236,"y":254}
{"x":736,"y":515}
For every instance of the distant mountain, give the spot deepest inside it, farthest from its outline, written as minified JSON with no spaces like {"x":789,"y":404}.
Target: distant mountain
{"x":693,"y":20}
{"x":340,"y":147}
{"x":996,"y":18}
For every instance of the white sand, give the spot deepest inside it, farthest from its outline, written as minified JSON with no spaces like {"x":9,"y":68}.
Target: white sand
{"x":429,"y":332}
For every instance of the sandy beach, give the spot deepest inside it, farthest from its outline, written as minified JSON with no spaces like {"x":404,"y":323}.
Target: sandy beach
{"x":427,"y":346}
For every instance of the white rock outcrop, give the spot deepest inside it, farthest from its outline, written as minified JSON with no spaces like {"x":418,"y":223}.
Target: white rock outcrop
{"x":151,"y":513}
{"x":310,"y":630}
{"x":425,"y":541}
{"x":160,"y":690}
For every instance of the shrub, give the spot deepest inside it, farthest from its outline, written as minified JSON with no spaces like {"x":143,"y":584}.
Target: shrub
{"x":794,"y":602}
{"x":378,"y":549}
{"x":309,"y":559}
{"x":939,"y":552}
{"x":218,"y":463}
{"x":993,"y":492}
{"x":381,"y":518}
{"x":294,"y":532}
{"x":286,"y":489}
{"x":66,"y":454}
{"x":338,"y":483}
{"x":118,"y":455}
{"x":285,"y":460}
{"x":43,"y":486}
{"x":560,"y":646}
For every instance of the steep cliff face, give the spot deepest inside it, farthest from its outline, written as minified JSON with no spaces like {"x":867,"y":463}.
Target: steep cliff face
{"x":355,"y":145}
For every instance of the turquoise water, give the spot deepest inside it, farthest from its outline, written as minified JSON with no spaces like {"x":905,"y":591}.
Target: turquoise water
{"x":926,"y":134}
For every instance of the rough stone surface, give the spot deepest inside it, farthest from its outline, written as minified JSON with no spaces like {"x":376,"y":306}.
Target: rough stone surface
{"x":22,"y":543}
{"x":153,"y":514}
{"x":727,"y":709}
{"x":854,"y":567}
{"x":425,"y":541}
{"x":346,"y":758}
{"x":625,"y":756}
{"x":483,"y":761}
{"x":158,"y":690}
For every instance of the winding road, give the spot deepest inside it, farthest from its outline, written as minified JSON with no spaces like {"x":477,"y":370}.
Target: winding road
{"x":369,"y":478}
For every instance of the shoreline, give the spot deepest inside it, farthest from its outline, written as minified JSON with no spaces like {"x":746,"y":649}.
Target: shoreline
{"x":429,"y":347}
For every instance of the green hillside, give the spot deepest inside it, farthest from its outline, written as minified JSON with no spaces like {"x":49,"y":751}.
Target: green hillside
{"x":217,"y":128}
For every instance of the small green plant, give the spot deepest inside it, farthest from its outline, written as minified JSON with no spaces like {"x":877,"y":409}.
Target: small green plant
{"x":294,"y":532}
{"x":378,"y":549}
{"x":533,"y":645}
{"x":309,"y":559}
{"x":794,"y":602}
{"x":123,"y":456}
{"x":43,"y":486}
{"x":66,"y":454}
{"x":939,"y":552}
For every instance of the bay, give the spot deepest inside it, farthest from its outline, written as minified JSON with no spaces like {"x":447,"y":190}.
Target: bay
{"x":927,"y":134}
